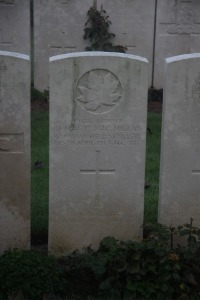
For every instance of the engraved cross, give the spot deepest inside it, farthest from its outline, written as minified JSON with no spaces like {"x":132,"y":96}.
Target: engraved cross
{"x":97,"y":171}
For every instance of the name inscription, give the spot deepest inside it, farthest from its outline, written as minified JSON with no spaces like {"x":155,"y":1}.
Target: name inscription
{"x":98,"y":134}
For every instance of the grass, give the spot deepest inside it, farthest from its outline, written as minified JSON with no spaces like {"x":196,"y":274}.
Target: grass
{"x":40,"y":124}
{"x":40,"y":176}
{"x":152,"y":168}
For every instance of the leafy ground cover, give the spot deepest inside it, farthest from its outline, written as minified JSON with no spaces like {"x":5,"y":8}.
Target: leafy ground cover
{"x":149,"y":270}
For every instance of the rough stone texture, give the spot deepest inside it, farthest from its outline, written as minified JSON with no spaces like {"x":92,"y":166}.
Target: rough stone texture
{"x":58,"y":29}
{"x":15,"y":26}
{"x":133,"y":24}
{"x":14,"y":151}
{"x":180,"y":159}
{"x":177,"y":32}
{"x":98,"y":105}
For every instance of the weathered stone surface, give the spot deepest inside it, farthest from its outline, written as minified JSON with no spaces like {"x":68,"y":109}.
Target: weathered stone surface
{"x":132,"y":22}
{"x":98,"y":104}
{"x":177,"y":32}
{"x":180,"y":160}
{"x":15,"y":26}
{"x":58,"y":29}
{"x":14,"y":151}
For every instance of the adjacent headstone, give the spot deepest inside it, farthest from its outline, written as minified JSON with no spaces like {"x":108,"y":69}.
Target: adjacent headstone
{"x":15,"y":26}
{"x":180,"y":155}
{"x":58,"y":29}
{"x":14,"y":151}
{"x":177,"y":32}
{"x":98,"y":107}
{"x":133,"y":24}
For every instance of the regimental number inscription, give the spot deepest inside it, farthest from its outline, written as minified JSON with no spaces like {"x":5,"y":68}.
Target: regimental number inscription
{"x":196,"y":91}
{"x":99,"y":91}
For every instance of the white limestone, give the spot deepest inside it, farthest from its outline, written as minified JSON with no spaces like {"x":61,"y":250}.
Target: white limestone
{"x":133,"y":24}
{"x":15,"y":26}
{"x":177,"y":32}
{"x":59,"y":28}
{"x":180,"y":159}
{"x":98,"y":105}
{"x":14,"y":151}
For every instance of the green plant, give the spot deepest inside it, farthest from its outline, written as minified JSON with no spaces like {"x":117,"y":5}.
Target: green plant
{"x":79,"y":275}
{"x":98,"y":32}
{"x":30,"y":274}
{"x":154,"y":269}
{"x":35,"y":94}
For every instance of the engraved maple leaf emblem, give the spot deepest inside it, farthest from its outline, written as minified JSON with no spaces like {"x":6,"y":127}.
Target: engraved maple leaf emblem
{"x":99,"y":92}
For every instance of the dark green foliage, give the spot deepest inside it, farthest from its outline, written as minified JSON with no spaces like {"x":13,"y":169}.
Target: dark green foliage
{"x":98,"y":32}
{"x":79,"y":275}
{"x":35,"y":94}
{"x":154,"y":269}
{"x":155,"y":94}
{"x":31,"y":274}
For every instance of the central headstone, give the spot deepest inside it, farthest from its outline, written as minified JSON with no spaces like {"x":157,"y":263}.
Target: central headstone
{"x":98,"y":106}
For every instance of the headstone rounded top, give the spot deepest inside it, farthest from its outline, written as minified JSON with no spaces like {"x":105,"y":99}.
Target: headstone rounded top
{"x":182,"y":57}
{"x":14,"y":54}
{"x":97,"y":53}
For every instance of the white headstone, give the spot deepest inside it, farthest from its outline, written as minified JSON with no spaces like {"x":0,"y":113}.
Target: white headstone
{"x":180,"y":155}
{"x":98,"y":106}
{"x":133,"y":24}
{"x":177,"y":32}
{"x":14,"y":151}
{"x":15,"y":26}
{"x":58,"y":29}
